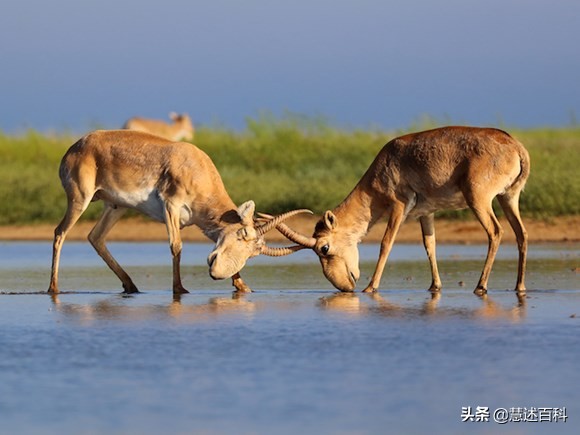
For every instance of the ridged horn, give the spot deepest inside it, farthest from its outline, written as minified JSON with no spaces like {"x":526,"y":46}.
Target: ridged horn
{"x":264,"y":228}
{"x":280,"y":252}
{"x":290,"y":234}
{"x":296,"y":237}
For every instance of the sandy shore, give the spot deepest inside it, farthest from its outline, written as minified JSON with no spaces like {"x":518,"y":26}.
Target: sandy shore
{"x":136,"y":229}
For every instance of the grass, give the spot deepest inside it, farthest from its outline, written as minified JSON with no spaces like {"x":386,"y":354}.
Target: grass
{"x":553,"y":188}
{"x":282,"y":163}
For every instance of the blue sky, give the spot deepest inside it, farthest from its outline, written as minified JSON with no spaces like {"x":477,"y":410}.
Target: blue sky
{"x":69,"y":64}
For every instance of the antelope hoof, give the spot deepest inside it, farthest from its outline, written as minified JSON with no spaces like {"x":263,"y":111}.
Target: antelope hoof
{"x":130,"y":289}
{"x":180,"y":290}
{"x":52,"y":290}
{"x":480,"y":291}
{"x":370,"y":289}
{"x":435,"y":289}
{"x":242,"y":288}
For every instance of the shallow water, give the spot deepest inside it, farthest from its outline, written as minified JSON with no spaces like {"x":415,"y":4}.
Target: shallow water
{"x":291,"y":357}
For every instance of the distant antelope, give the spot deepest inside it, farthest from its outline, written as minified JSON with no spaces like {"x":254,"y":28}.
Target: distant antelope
{"x":181,"y":129}
{"x":414,"y":176}
{"x":171,"y":182}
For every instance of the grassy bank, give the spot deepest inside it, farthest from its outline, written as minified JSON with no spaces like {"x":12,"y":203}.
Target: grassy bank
{"x":281,"y":164}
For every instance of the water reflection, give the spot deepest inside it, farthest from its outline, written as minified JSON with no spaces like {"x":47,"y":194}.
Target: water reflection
{"x":493,"y":310}
{"x":488,"y":309}
{"x":346,"y":302}
{"x":351,"y":303}
{"x":129,"y":308}
{"x":237,"y":303}
{"x":117,"y":308}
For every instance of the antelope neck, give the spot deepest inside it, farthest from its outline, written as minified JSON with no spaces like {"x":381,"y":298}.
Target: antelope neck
{"x":358,"y":213}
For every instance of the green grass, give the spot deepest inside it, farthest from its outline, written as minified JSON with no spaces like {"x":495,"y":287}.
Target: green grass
{"x":553,"y":188}
{"x":286,"y":163}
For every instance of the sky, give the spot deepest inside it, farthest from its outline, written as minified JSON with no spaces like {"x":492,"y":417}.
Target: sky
{"x":77,"y":65}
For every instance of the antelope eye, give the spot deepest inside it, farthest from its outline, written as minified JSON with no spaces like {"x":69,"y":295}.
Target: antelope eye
{"x":324,"y":250}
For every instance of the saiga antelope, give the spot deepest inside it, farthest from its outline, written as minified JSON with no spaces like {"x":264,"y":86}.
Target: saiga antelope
{"x":171,"y":182}
{"x":414,"y":176}
{"x":180,"y":129}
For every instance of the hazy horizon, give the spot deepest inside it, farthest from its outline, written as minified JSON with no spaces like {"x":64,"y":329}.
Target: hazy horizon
{"x":76,"y":65}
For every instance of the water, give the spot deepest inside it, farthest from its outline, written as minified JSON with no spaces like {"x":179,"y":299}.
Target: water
{"x":292,"y":357}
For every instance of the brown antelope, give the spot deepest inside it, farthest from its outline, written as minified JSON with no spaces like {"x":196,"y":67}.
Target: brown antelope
{"x":181,"y":129}
{"x":171,"y":182}
{"x":414,"y":176}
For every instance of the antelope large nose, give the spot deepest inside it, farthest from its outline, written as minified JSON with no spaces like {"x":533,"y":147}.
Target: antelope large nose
{"x":211,"y":260}
{"x":353,"y":278}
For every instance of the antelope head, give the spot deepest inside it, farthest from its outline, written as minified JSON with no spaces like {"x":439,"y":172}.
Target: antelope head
{"x":242,"y":238}
{"x":337,"y":250}
{"x":184,"y":121}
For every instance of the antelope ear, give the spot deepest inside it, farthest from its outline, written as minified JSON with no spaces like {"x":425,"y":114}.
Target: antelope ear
{"x":330,"y":220}
{"x":246,"y":212}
